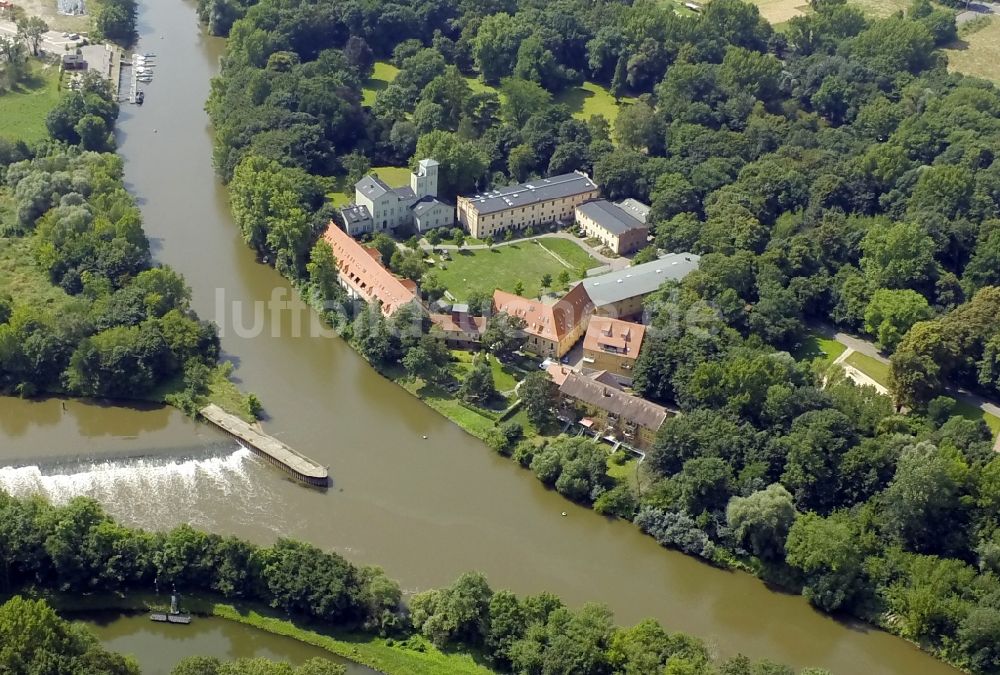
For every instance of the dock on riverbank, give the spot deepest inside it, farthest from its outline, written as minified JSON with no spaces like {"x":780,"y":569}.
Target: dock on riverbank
{"x":271,"y":449}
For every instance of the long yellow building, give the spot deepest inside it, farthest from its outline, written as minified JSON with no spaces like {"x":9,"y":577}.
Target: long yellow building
{"x":515,"y":207}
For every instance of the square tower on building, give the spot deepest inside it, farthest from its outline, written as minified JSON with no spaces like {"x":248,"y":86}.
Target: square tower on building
{"x":424,"y":181}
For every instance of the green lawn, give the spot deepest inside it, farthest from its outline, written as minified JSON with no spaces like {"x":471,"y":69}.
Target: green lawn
{"x":342,"y":193}
{"x":23,"y":110}
{"x":569,"y":251}
{"x":503,"y":266}
{"x":592,"y":99}
{"x":971,"y":412}
{"x":815,"y":346}
{"x":23,"y":280}
{"x":873,"y":368}
{"x":384,"y":73}
{"x":480,"y":87}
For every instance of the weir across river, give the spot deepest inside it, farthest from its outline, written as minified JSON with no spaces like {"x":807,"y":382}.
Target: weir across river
{"x":271,"y":449}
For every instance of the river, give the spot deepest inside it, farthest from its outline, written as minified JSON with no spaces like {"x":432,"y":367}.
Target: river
{"x":424,"y":509}
{"x":159,"y":646}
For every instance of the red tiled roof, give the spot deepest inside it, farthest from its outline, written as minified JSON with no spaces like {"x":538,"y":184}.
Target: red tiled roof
{"x":622,"y":335}
{"x":466,"y":323}
{"x":551,"y":322}
{"x":361,"y":269}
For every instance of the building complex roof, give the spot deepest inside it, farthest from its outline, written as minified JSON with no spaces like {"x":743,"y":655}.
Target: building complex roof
{"x":425,"y":204}
{"x":354,"y":214}
{"x":615,"y":401}
{"x":551,"y":322}
{"x":372,"y":186}
{"x":532,"y":192}
{"x":635,"y":207}
{"x":605,"y":334}
{"x":607,"y":289}
{"x":612,"y":218}
{"x":364,"y":273}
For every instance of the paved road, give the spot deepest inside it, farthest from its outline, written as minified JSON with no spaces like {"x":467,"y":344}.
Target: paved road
{"x":856,"y":344}
{"x":976,"y":10}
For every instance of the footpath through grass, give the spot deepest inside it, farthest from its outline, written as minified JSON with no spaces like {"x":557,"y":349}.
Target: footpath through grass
{"x":23,"y":109}
{"x":485,"y":270}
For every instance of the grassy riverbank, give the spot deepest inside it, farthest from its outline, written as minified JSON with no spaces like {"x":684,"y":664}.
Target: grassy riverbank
{"x":415,"y":656}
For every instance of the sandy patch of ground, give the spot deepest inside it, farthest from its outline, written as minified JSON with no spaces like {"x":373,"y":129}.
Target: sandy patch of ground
{"x":780,"y":11}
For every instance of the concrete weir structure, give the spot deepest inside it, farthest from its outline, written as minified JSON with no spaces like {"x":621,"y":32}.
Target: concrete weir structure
{"x":271,"y":449}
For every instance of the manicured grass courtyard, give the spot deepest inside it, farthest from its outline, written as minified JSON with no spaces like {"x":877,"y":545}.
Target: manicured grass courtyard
{"x":569,"y":251}
{"x":23,"y":109}
{"x":384,"y":73}
{"x":873,"y":368}
{"x":502,"y":267}
{"x":815,"y":346}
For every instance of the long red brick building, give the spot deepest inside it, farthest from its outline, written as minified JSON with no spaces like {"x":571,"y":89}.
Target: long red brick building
{"x":364,"y":276}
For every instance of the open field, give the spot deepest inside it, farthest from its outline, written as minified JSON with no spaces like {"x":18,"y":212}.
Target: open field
{"x":815,"y":346}
{"x":23,"y":110}
{"x":503,"y":266}
{"x":873,"y":368}
{"x":384,"y":73}
{"x":592,"y":99}
{"x":977,"y":52}
{"x":780,"y":11}
{"x":395,"y":176}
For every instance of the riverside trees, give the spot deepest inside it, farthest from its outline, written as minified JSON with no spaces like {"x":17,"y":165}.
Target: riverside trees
{"x":77,"y":548}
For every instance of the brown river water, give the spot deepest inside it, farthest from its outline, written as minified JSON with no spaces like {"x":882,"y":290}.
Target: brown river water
{"x":425,"y":509}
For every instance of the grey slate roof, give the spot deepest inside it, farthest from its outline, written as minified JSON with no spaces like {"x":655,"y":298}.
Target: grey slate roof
{"x":404,"y":193}
{"x":611,"y":399}
{"x":532,"y":192}
{"x":610,"y":217}
{"x":635,"y":207}
{"x":372,"y":186}
{"x":606,"y":289}
{"x":426,"y":204}
{"x":354,"y":214}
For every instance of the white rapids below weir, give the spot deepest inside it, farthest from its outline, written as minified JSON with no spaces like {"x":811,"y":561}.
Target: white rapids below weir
{"x":152,"y":492}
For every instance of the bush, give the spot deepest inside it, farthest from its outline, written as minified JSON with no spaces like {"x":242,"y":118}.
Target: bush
{"x":677,"y":530}
{"x":619,"y":501}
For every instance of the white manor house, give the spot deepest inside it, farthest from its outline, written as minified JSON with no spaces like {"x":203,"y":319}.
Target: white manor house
{"x":378,"y":207}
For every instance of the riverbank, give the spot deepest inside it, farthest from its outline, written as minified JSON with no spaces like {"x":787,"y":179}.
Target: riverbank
{"x":415,"y":656}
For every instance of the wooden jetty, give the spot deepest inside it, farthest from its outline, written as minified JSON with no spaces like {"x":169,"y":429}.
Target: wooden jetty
{"x":271,"y":449}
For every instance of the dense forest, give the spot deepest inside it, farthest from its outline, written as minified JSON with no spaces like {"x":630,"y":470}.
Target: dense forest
{"x":78,"y":548}
{"x":92,"y":315}
{"x":833,"y":172}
